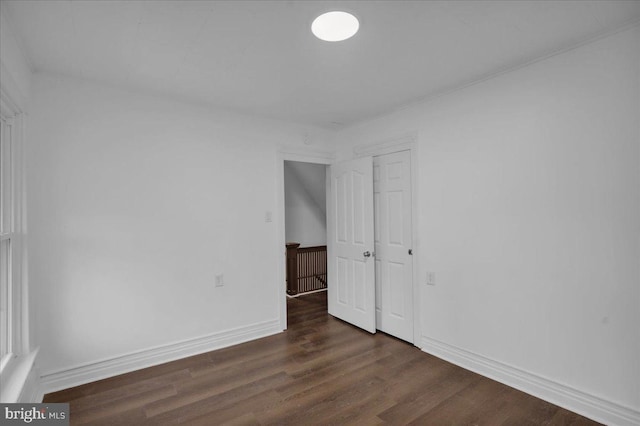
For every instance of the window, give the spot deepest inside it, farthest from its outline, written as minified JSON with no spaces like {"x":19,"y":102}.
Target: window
{"x":12,"y":312}
{"x":6,"y":236}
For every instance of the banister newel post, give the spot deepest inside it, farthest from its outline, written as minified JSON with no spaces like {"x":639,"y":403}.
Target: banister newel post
{"x":292,"y":268}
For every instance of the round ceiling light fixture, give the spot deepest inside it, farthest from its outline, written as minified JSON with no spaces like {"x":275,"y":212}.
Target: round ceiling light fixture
{"x":335,"y":26}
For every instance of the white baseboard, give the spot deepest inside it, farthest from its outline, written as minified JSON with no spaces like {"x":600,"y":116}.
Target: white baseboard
{"x":590,"y":406}
{"x":87,"y":373}
{"x":305,"y":293}
{"x":16,"y":375}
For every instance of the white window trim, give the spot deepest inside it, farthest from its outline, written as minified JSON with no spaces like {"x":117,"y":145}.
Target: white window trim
{"x":18,"y":363}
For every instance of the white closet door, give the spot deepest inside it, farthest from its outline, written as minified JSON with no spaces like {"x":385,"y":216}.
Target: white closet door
{"x":393,"y":242}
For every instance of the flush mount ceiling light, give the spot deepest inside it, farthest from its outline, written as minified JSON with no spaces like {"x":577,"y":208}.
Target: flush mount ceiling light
{"x":335,"y":26}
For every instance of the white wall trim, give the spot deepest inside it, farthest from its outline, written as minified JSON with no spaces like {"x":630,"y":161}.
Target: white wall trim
{"x":305,"y":155}
{"x":90,"y":372}
{"x":588,"y":405}
{"x":15,"y":376}
{"x":16,"y":372}
{"x":32,"y":391}
{"x":387,"y":146}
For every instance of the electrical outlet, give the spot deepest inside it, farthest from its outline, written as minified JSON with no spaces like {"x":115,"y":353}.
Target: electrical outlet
{"x":220,"y":280}
{"x":431,"y":278}
{"x":268,"y":217}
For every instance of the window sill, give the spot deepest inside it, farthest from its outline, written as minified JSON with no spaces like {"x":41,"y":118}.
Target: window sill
{"x":14,"y":377}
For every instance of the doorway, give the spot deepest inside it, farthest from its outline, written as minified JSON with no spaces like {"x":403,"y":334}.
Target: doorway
{"x":305,"y":235}
{"x":386,"y":295}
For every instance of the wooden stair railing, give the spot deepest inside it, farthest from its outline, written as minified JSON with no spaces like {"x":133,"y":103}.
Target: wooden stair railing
{"x":306,"y":268}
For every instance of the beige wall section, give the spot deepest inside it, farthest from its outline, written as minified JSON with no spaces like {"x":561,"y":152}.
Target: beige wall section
{"x":530,"y":216}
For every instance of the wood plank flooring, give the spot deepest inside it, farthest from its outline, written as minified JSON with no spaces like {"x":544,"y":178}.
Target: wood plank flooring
{"x":320,"y":372}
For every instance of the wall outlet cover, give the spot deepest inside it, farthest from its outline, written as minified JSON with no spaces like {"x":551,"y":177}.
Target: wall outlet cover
{"x":220,"y":280}
{"x":431,"y":278}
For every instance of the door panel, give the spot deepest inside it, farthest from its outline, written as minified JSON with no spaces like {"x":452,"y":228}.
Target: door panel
{"x":398,"y":294}
{"x":341,"y":280}
{"x":341,"y":207}
{"x":351,"y":283}
{"x":360,"y":285}
{"x":393,"y":239}
{"x":395,"y":221}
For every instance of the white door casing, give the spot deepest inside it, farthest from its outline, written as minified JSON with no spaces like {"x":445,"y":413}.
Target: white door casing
{"x":393,"y":242}
{"x":350,"y":243}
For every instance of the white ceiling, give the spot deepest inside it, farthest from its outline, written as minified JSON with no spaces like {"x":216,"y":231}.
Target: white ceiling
{"x":259,"y":57}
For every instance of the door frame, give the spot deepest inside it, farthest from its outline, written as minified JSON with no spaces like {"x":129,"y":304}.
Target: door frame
{"x":305,"y":156}
{"x":406,"y":142}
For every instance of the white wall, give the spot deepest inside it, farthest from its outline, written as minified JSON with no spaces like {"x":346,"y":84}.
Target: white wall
{"x":529,"y":214}
{"x":15,"y":70}
{"x":305,"y":203}
{"x":135,"y":204}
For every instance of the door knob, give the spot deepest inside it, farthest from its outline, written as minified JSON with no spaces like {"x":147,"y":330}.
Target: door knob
{"x":367,"y":253}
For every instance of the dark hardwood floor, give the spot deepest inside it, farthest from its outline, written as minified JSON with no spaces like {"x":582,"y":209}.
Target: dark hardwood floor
{"x":321,"y":371}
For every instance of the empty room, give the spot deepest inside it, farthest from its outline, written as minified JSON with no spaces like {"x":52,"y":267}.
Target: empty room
{"x":320,"y":212}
